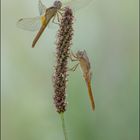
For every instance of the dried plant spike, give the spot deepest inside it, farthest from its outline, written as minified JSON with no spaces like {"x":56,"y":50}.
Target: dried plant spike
{"x":63,"y":43}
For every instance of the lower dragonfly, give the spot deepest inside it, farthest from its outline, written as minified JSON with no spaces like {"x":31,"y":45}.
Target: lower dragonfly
{"x":84,"y":62}
{"x":46,"y":15}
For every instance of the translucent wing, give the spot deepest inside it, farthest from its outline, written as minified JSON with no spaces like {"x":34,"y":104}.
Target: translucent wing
{"x":30,"y":24}
{"x":42,"y":7}
{"x":76,"y":4}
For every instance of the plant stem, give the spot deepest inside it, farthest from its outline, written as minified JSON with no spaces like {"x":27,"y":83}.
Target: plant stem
{"x":63,"y":126}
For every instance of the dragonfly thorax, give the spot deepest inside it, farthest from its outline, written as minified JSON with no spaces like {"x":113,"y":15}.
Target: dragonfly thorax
{"x":57,"y":4}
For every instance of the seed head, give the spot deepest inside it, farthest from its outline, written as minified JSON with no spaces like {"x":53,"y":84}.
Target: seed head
{"x":63,"y":43}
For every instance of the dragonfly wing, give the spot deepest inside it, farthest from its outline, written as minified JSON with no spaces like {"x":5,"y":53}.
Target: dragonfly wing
{"x":76,"y":4}
{"x":30,"y":24}
{"x":42,"y":7}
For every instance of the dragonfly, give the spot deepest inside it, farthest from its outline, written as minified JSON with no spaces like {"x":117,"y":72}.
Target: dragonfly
{"x":53,"y":12}
{"x":83,"y":61}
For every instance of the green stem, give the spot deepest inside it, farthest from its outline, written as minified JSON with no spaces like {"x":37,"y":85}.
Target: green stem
{"x":63,"y":126}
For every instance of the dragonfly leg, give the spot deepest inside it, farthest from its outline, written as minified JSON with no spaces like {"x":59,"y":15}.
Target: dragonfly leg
{"x":62,"y":9}
{"x":72,"y":59}
{"x":53,"y":20}
{"x":58,"y":18}
{"x":60,"y":13}
{"x":72,"y":56}
{"x":74,"y":67}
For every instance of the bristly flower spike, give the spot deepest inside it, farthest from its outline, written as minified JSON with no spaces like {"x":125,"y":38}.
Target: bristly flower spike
{"x":63,"y":43}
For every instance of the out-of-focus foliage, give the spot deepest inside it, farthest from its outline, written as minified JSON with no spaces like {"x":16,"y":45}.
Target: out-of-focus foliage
{"x":108,"y":31}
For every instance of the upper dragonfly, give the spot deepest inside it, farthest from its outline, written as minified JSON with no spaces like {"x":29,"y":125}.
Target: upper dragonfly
{"x":46,"y":15}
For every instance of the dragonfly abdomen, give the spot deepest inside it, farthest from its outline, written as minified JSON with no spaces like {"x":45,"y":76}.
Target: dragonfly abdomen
{"x":88,"y":82}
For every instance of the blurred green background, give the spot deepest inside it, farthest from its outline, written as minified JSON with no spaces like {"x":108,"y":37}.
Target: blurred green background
{"x":108,"y":31}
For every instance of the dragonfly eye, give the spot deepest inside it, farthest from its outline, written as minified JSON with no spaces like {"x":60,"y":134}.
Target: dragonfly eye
{"x":80,"y":54}
{"x":57,"y":4}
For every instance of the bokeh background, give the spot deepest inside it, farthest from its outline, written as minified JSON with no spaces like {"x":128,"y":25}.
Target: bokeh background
{"x":108,"y":31}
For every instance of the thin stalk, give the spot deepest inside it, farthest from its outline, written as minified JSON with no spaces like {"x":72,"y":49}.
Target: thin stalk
{"x":63,"y":126}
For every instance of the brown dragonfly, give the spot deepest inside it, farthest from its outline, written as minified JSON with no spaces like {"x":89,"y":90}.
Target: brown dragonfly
{"x":47,"y":14}
{"x":41,"y":22}
{"x":84,"y":62}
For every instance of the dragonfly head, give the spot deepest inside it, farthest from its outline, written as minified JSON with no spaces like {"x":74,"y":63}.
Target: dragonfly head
{"x":80,"y":53}
{"x":57,"y":4}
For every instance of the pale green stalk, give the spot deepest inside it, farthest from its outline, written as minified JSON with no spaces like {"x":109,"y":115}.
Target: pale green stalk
{"x":63,"y":126}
